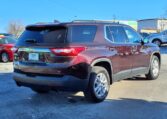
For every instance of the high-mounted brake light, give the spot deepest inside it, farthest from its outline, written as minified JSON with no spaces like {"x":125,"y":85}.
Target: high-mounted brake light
{"x":71,"y":51}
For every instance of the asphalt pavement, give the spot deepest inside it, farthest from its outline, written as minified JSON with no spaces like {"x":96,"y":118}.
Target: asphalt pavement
{"x":134,"y":98}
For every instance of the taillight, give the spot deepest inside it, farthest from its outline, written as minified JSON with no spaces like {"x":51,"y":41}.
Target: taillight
{"x":71,"y":51}
{"x":14,"y":49}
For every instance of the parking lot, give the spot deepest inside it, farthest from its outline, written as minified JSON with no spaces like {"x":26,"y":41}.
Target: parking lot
{"x":128,"y":99}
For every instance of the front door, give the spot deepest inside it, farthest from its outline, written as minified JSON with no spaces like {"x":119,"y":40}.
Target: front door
{"x":140,"y":52}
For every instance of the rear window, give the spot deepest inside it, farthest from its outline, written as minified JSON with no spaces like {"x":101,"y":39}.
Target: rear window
{"x":7,"y":40}
{"x":10,"y":40}
{"x":47,"y":35}
{"x":58,"y":34}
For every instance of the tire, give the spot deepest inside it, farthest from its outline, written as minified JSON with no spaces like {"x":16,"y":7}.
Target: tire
{"x":99,"y":85}
{"x":4,"y":57}
{"x":40,"y":91}
{"x":157,"y":42}
{"x":154,"y":68}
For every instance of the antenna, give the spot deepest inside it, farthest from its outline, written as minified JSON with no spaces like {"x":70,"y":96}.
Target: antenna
{"x":114,"y":18}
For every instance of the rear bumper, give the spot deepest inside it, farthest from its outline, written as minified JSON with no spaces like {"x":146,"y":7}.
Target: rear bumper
{"x":67,"y":82}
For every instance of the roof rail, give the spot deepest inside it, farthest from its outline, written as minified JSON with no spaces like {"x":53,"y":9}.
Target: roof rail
{"x":41,"y":23}
{"x":95,"y":21}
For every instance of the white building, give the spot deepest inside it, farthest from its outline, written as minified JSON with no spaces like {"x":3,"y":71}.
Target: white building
{"x":132,"y":23}
{"x":152,"y":25}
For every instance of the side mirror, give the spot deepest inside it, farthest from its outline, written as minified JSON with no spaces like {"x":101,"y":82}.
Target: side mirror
{"x":142,"y":42}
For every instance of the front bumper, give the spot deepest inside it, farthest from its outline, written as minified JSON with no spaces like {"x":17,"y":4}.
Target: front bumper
{"x":66,"y":82}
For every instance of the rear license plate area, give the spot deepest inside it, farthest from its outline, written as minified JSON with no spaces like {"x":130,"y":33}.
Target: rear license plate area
{"x":33,"y":57}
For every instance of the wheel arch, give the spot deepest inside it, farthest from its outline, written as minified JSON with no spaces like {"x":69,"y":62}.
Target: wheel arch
{"x":107,"y":64}
{"x":155,"y":54}
{"x":149,"y":75}
{"x":3,"y":51}
{"x":156,"y":39}
{"x":158,"y":55}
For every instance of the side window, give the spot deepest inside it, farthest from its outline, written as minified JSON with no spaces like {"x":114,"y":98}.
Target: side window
{"x":83,"y":33}
{"x":116,"y":34}
{"x":165,"y":33}
{"x":132,"y":35}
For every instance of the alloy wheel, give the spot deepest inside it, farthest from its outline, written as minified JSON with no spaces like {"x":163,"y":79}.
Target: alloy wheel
{"x":101,"y":85}
{"x":155,"y":67}
{"x":4,"y":57}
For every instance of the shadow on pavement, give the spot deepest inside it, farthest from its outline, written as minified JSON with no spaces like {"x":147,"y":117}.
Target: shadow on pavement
{"x":58,"y":105}
{"x":136,"y":109}
{"x":139,"y":78}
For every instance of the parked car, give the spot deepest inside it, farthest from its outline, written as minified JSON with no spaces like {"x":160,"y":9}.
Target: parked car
{"x":7,"y":34}
{"x":158,"y":38}
{"x":6,"y":45}
{"x":83,"y":56}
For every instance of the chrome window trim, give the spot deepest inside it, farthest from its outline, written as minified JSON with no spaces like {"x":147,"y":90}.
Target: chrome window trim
{"x":105,"y":34}
{"x":45,"y":50}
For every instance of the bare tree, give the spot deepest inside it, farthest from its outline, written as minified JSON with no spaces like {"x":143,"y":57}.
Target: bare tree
{"x":15,"y":28}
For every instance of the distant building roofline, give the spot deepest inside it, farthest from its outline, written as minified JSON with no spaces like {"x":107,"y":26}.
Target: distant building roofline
{"x":153,"y":19}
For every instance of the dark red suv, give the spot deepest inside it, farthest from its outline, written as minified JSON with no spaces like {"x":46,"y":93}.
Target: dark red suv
{"x":83,"y":56}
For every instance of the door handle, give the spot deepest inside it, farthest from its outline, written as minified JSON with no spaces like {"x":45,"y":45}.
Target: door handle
{"x":124,"y":54}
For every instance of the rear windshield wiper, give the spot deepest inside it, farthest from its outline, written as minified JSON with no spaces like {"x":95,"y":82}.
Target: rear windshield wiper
{"x":31,"y":41}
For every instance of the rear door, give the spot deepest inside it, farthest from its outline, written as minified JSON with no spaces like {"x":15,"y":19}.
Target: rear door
{"x":122,"y":61}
